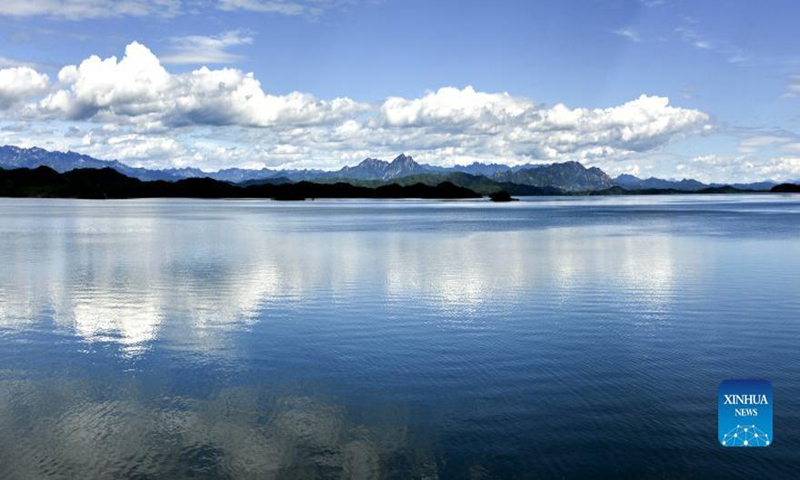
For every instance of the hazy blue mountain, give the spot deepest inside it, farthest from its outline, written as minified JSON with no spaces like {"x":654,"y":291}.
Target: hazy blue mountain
{"x":369,"y":169}
{"x":170,"y":174}
{"x":482,"y":169}
{"x":238,"y":175}
{"x":266,"y":181}
{"x":632,"y":182}
{"x":15,"y":157}
{"x":760,"y":186}
{"x":567,"y":176}
{"x":635,"y":183}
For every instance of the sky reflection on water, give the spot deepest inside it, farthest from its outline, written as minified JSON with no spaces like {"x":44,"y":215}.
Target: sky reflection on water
{"x":378,"y":339}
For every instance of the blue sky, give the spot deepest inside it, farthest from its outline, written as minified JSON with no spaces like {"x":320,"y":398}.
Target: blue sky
{"x":323,"y":83}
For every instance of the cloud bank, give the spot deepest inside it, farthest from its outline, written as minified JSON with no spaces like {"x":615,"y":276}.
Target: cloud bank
{"x":133,"y":108}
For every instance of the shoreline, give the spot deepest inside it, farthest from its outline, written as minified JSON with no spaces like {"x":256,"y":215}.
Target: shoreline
{"x":107,"y":183}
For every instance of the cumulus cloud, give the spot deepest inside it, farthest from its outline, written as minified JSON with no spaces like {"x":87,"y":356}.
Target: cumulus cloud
{"x":452,"y":106}
{"x":198,"y":49}
{"x":19,"y":83}
{"x":139,"y":87}
{"x":133,"y":108}
{"x":88,"y":9}
{"x":517,"y":126}
{"x":637,"y":125}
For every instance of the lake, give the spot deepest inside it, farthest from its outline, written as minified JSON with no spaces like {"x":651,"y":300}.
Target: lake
{"x":549,"y":338}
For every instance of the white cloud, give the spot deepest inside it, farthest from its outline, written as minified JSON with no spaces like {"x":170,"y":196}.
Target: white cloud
{"x":758,"y":142}
{"x":263,"y":6}
{"x":753,"y":141}
{"x":780,"y":168}
{"x":690,"y":36}
{"x":139,"y":87}
{"x":703,"y":45}
{"x":628,"y":33}
{"x":732,"y":53}
{"x":516,"y":126}
{"x":20,"y":83}
{"x":197,"y":49}
{"x":76,"y":10}
{"x":743,"y":168}
{"x":452,"y":106}
{"x":136,"y":110}
{"x":285,"y":7}
{"x":88,"y":9}
{"x":13,"y":62}
{"x":638,"y":125}
{"x":793,"y":86}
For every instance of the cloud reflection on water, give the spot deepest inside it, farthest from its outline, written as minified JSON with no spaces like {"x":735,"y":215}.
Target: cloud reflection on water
{"x":190,"y":283}
{"x":121,"y":283}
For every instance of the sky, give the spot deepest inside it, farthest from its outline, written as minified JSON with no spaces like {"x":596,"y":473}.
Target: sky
{"x":667,"y":88}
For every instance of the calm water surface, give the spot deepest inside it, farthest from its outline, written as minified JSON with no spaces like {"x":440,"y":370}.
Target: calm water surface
{"x":550,"y":338}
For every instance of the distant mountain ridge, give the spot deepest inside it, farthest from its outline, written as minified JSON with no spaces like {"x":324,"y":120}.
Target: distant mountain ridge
{"x":685,"y":185}
{"x":567,"y":176}
{"x":15,"y":157}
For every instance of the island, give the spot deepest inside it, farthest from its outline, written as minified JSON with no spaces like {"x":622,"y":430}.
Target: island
{"x":502,"y":196}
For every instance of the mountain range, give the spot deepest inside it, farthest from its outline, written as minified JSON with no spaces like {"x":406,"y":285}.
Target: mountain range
{"x":530,"y":179}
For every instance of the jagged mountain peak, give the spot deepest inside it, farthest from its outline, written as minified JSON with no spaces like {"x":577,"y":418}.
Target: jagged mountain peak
{"x":404,"y":159}
{"x":371,"y":162}
{"x":375,"y":169}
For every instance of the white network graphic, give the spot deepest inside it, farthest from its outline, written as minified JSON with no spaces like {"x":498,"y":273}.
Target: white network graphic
{"x":746,"y":436}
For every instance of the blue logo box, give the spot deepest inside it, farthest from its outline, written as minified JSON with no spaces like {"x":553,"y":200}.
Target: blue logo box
{"x":745,"y":413}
